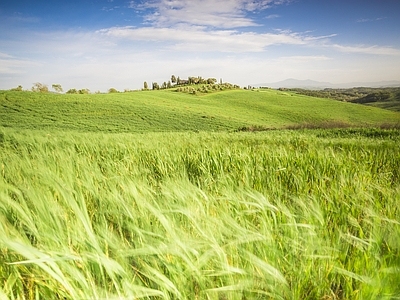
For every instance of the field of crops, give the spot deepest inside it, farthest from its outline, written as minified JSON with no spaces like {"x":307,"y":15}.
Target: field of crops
{"x":166,"y":195}
{"x":311,"y":214}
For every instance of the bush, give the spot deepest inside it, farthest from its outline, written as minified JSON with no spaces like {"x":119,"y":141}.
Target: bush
{"x":40,"y":88}
{"x":72,"y":91}
{"x":17,"y":89}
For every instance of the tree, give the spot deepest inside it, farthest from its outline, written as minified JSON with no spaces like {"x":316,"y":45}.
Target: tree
{"x":164,"y":85}
{"x":57,"y":87}
{"x":84,"y":91}
{"x":169,"y":85}
{"x":156,"y":86}
{"x":112,"y":90}
{"x":40,"y":87}
{"x":17,"y":89}
{"x":72,"y":91}
{"x":145,"y":86}
{"x":211,"y":80}
{"x":173,"y":79}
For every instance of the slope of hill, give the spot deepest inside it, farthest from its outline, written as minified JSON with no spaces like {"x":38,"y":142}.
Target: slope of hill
{"x":167,"y":110}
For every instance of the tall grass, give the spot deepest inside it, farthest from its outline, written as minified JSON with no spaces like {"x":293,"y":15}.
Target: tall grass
{"x":271,"y":215}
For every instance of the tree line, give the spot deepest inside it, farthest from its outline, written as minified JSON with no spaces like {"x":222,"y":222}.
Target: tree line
{"x":360,"y":95}
{"x":43,"y":88}
{"x":173,"y":82}
{"x":177,"y":81}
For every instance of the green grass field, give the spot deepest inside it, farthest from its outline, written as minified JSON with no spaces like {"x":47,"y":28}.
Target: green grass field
{"x":112,"y":197}
{"x":172,"y":111}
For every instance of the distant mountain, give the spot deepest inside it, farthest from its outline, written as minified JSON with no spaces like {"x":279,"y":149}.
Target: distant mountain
{"x":317,"y":85}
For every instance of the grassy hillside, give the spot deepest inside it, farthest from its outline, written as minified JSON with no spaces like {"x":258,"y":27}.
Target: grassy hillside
{"x":172,"y":111}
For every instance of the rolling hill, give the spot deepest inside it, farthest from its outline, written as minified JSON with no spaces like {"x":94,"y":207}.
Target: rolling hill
{"x":167,"y":110}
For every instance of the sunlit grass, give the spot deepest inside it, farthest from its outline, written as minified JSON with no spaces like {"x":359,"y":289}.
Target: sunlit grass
{"x":168,"y":111}
{"x":271,"y":215}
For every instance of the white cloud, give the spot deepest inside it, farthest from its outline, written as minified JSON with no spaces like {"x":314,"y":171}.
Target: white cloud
{"x":269,"y":17}
{"x":64,"y":44}
{"x":19,"y":18}
{"x":219,"y":14}
{"x":199,"y":39}
{"x":304,"y":58}
{"x":12,"y":65}
{"x":372,"y":50}
{"x":370,"y":20}
{"x":120,"y":58}
{"x":4,"y":55}
{"x":251,"y":5}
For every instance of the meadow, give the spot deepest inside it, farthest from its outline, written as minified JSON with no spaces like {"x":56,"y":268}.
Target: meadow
{"x":91,"y":209}
{"x":169,"y":111}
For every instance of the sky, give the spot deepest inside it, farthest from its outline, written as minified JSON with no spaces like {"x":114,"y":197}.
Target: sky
{"x":99,"y":44}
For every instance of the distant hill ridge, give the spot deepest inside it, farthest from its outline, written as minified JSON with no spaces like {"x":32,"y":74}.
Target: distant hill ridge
{"x":312,"y":84}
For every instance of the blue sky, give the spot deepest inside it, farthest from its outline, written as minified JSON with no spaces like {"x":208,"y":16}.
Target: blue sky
{"x":101,"y":44}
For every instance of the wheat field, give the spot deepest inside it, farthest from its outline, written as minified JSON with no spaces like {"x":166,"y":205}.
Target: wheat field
{"x":309,"y":214}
